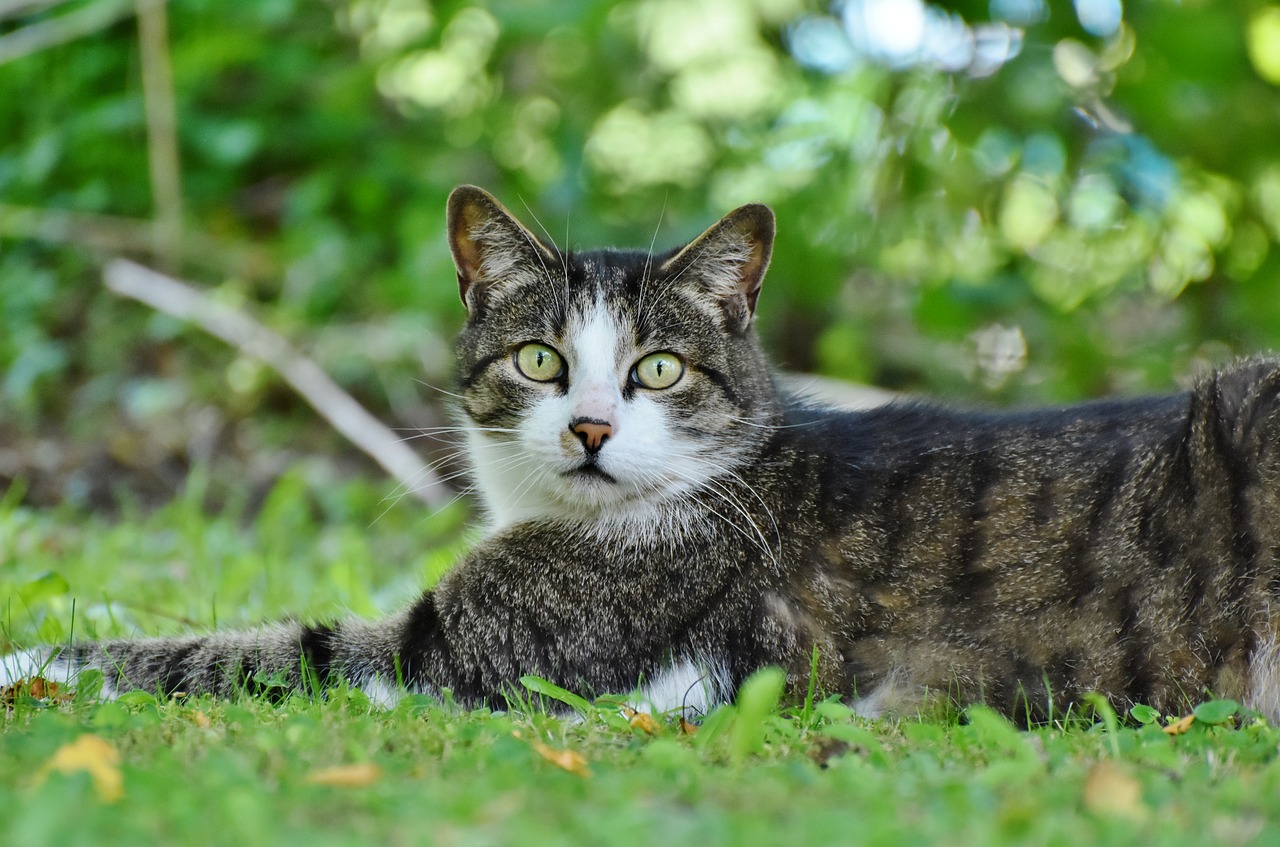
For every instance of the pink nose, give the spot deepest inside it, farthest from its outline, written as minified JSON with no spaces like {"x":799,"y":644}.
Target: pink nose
{"x":591,"y":432}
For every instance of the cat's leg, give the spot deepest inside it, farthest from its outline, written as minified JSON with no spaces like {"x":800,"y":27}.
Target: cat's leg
{"x":893,"y":696}
{"x":693,"y":685}
{"x":1263,"y":692}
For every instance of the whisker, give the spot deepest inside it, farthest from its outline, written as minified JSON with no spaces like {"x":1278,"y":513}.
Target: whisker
{"x":648,"y":259}
{"x":758,"y":425}
{"x":437,"y":388}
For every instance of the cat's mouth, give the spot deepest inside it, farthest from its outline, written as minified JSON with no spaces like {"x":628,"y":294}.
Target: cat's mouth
{"x":590,"y":470}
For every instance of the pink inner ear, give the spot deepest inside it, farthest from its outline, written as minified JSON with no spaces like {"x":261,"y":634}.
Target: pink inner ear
{"x":730,"y":259}
{"x":464,"y":211}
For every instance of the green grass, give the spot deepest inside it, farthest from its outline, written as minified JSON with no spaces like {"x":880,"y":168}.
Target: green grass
{"x":244,"y":772}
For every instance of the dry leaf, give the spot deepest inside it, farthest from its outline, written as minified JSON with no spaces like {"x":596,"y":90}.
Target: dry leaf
{"x":43,"y":689}
{"x":567,"y":759}
{"x":1181,"y":725}
{"x":572,"y":762}
{"x":356,"y":775}
{"x":687,"y":728}
{"x":641,"y":720}
{"x":1110,"y":790}
{"x":93,"y":756}
{"x":37,"y":687}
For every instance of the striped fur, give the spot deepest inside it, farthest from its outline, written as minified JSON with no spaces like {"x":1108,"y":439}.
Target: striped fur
{"x":1019,"y":559}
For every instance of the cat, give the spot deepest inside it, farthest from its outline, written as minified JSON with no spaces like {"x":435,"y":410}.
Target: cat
{"x":663,"y":518}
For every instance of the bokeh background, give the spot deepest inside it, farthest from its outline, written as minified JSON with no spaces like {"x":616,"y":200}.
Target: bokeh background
{"x":1013,"y":201}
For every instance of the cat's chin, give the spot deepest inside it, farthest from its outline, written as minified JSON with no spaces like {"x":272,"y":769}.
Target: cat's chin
{"x":591,"y":492}
{"x":594,"y":496}
{"x":588,"y":474}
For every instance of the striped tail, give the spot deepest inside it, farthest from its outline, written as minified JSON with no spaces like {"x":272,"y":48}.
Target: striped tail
{"x":268,"y":661}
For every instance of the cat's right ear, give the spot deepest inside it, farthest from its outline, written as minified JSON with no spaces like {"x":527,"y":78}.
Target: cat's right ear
{"x":489,"y":245}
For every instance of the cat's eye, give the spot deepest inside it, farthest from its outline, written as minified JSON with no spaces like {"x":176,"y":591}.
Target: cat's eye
{"x":658,"y":370}
{"x":539,"y":362}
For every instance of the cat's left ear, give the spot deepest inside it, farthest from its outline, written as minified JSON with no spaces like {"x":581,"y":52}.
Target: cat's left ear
{"x":490,"y":247}
{"x":728,"y":261}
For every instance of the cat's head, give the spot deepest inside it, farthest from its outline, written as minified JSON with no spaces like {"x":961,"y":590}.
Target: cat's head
{"x":605,"y":385}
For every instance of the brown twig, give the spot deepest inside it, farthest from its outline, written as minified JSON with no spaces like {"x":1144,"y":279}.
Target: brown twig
{"x":180,"y":299}
{"x":162,"y":136}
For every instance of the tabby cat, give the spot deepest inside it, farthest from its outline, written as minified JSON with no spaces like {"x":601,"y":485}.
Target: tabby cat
{"x":662,"y":517}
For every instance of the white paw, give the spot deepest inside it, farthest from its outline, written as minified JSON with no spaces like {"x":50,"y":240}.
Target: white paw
{"x":693,"y":687}
{"x":29,"y":664}
{"x":24,"y":665}
{"x":381,"y":694}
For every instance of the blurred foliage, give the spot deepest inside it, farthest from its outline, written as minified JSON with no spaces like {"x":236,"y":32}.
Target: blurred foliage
{"x":1014,"y":200}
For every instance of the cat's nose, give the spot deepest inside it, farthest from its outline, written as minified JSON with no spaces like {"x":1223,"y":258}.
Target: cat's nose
{"x":592,"y":432}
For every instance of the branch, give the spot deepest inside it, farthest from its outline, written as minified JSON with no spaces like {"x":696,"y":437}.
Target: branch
{"x":13,"y":8}
{"x":35,"y":37}
{"x":162,"y":122}
{"x":180,"y":299}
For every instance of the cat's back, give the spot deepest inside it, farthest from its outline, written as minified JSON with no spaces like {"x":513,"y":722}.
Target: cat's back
{"x":1014,"y":556}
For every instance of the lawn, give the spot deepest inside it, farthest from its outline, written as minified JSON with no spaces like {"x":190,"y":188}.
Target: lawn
{"x":335,"y":770}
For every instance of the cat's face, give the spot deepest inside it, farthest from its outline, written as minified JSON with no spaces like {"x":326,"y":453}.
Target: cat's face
{"x":600,"y":386}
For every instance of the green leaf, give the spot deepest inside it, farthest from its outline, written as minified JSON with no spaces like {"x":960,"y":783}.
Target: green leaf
{"x":715,"y":726}
{"x":1102,"y":708}
{"x":46,"y":585}
{"x":757,"y":698}
{"x":1143,"y":714}
{"x":138,"y":698}
{"x":833,"y":710}
{"x":854,"y":735}
{"x":1216,"y":711}
{"x":538,"y":685}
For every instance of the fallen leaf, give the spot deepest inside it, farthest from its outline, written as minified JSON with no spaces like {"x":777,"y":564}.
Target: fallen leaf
{"x":1181,"y":725}
{"x":573,"y":762}
{"x":37,"y":687}
{"x":1111,"y":790}
{"x":356,"y":775}
{"x":567,"y":759}
{"x":687,"y":728}
{"x":641,"y":720}
{"x":1215,"y":712}
{"x":43,"y":689}
{"x":91,"y":755}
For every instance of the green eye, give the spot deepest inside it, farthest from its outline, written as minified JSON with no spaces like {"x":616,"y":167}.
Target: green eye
{"x":658,"y":370}
{"x":539,"y":362}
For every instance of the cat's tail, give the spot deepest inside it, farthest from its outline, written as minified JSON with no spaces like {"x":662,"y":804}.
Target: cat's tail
{"x":267,"y":661}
